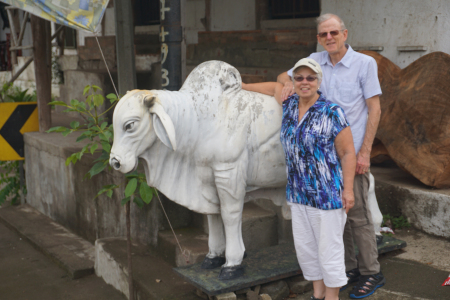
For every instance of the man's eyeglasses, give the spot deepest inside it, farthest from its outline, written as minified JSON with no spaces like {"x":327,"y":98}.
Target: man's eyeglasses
{"x":308,"y":78}
{"x":332,"y":33}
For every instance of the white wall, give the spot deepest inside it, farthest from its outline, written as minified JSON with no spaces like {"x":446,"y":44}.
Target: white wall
{"x":226,"y":15}
{"x":393,"y":23}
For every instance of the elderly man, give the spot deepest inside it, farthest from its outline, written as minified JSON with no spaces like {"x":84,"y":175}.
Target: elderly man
{"x":350,"y":79}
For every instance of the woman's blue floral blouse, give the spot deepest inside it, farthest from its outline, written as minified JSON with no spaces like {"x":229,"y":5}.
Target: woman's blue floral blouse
{"x":313,"y":166}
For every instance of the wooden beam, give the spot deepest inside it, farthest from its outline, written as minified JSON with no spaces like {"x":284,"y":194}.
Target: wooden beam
{"x":32,"y":58}
{"x":15,"y":76}
{"x":40,"y":29}
{"x":20,"y":47}
{"x":126,"y":67}
{"x":22,"y":27}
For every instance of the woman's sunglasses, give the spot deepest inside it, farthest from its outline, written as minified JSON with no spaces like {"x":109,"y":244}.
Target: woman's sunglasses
{"x":332,"y":33}
{"x":308,"y":78}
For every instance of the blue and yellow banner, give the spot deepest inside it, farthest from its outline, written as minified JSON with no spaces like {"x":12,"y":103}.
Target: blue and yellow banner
{"x":78,"y":14}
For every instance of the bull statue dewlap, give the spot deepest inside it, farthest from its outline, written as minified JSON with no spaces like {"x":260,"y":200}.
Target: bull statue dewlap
{"x":210,"y":147}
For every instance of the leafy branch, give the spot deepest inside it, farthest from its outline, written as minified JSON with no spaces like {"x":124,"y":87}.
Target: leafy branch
{"x":100,"y":135}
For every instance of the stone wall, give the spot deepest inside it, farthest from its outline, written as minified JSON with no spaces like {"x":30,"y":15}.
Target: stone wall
{"x":62,"y":193}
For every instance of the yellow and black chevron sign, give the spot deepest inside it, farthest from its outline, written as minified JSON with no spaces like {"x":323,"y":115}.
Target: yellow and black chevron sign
{"x":16,"y":118}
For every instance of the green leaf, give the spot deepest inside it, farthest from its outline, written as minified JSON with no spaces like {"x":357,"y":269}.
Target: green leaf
{"x":97,"y":168}
{"x":131,"y":187}
{"x":108,"y":135}
{"x":81,"y":137}
{"x":70,"y":109}
{"x":146,"y":192}
{"x":98,"y":100}
{"x":133,"y":174}
{"x":104,"y":124}
{"x":93,"y":148}
{"x":74,"y":124}
{"x":103,"y":157}
{"x":107,"y":189}
{"x":89,"y":101}
{"x":66,"y":132}
{"x":69,"y":159}
{"x":58,"y":103}
{"x":112,"y":98}
{"x":57,"y":129}
{"x":95,"y":87}
{"x":74,"y":102}
{"x":86,"y":89}
{"x":138,"y":202}
{"x":82,"y":105}
{"x":106,"y":146}
{"x":125,"y":200}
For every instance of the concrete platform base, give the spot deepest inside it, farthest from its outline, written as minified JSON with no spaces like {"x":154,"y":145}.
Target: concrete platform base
{"x":399,"y":193}
{"x":69,"y":251}
{"x":153,"y":278}
{"x":255,"y":220}
{"x":261,"y":266}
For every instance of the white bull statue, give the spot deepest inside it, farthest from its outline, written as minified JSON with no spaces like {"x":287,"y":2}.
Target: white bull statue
{"x":209,"y":147}
{"x":206,"y":147}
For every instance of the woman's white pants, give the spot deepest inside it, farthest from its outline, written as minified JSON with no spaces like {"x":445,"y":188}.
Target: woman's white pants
{"x":318,"y":238}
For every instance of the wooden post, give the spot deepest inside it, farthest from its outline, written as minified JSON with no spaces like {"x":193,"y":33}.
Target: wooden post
{"x":126,"y":66}
{"x":207,"y":15}
{"x":126,"y":73}
{"x":41,"y":32}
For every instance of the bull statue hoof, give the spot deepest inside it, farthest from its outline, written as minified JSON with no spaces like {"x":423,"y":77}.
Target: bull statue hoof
{"x":212,"y":263}
{"x":228,"y":273}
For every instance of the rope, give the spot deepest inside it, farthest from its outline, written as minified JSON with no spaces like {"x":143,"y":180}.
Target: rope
{"x":186,"y":257}
{"x":95,"y":34}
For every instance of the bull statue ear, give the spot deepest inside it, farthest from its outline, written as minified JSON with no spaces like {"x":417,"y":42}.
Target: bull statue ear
{"x":163,"y":125}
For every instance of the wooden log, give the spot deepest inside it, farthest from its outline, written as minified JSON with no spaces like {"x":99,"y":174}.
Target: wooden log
{"x":415,"y":123}
{"x":40,"y":29}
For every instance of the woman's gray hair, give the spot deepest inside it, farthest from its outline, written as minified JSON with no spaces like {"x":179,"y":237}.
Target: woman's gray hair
{"x":326,"y":17}
{"x":319,"y":76}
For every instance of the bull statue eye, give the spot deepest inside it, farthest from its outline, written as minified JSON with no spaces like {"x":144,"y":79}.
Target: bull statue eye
{"x":129,"y":126}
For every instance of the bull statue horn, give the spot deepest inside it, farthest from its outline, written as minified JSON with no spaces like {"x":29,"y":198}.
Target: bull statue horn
{"x":162,"y":123}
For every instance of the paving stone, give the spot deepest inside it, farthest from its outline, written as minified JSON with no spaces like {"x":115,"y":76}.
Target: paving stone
{"x":226,"y":296}
{"x":298,"y":285}
{"x":251,"y":295}
{"x":277,"y":290}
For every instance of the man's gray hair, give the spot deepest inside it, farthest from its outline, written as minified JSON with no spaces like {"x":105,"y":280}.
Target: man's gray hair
{"x":326,"y":17}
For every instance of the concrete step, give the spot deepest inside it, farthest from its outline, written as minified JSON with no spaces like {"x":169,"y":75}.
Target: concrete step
{"x":152,"y":277}
{"x":399,"y":193}
{"x":69,"y":251}
{"x":194,"y":241}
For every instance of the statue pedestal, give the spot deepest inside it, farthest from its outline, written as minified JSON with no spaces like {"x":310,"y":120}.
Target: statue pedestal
{"x":261,"y":266}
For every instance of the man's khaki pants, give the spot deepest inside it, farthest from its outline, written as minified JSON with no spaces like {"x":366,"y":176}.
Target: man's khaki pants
{"x":359,"y":229}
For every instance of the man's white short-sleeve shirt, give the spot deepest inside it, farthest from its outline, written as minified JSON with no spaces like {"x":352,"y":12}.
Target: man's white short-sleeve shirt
{"x":349,"y":83}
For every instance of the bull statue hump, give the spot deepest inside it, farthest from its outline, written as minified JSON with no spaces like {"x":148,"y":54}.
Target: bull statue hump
{"x":209,"y":146}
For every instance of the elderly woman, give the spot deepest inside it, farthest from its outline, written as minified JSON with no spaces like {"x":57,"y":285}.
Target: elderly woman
{"x":320,"y":162}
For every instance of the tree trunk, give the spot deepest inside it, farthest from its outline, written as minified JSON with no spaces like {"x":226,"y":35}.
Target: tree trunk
{"x":415,"y":125}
